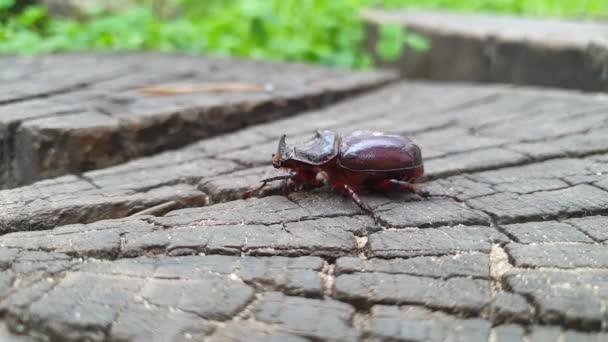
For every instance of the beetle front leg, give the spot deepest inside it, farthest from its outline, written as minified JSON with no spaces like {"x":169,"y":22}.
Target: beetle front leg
{"x":272,"y":179}
{"x":301,"y":180}
{"x":350,"y":193}
{"x":266,"y":181}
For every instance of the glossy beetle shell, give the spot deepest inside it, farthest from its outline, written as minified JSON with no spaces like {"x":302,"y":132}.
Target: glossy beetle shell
{"x":376,"y":152}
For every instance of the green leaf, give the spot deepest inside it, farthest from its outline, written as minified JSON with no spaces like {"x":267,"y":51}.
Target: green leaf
{"x":390,"y":41}
{"x":417,"y":42}
{"x":3,"y":34}
{"x":32,"y":16}
{"x":6,"y":4}
{"x":258,"y":30}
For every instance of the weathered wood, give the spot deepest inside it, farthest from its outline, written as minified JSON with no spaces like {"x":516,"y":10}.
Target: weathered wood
{"x":522,"y":257}
{"x":74,"y":113}
{"x":499,"y":48}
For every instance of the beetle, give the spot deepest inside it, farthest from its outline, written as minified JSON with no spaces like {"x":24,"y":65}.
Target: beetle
{"x":363,"y":160}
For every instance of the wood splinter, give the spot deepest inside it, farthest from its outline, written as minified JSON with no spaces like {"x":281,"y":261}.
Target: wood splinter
{"x":157,"y":210}
{"x":207,"y":87}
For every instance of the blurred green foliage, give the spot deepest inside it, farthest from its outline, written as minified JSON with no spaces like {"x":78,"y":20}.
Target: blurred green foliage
{"x":323,"y":31}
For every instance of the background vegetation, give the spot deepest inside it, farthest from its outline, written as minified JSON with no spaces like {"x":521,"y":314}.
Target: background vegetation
{"x":321,"y":31}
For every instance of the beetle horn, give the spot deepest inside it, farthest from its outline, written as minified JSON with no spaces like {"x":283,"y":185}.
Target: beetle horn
{"x":282,"y":145}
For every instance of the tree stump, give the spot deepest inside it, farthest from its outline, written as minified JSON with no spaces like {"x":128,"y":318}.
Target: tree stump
{"x":477,"y":47}
{"x":162,"y":247}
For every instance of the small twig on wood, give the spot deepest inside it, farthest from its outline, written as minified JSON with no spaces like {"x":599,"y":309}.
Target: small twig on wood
{"x":200,"y":88}
{"x":160,"y":209}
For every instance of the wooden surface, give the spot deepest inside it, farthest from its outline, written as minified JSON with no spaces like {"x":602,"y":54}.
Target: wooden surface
{"x":74,"y":113}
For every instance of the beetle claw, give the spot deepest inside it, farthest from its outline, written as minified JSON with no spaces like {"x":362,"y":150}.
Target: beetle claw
{"x":366,"y":208}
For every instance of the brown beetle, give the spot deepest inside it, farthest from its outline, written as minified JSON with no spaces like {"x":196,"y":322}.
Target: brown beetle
{"x":363,"y":160}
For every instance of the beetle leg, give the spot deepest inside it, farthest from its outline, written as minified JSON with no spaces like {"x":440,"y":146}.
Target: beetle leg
{"x":288,"y":187}
{"x":272,"y":179}
{"x":427,"y":194}
{"x":268,"y":180}
{"x":350,"y":193}
{"x":407,"y":186}
{"x":410,"y":187}
{"x":388,"y":185}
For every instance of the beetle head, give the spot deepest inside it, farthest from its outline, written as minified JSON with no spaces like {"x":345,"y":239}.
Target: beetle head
{"x":283,"y":155}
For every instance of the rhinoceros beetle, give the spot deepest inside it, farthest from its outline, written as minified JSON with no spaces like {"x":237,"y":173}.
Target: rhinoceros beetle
{"x":360,"y":161}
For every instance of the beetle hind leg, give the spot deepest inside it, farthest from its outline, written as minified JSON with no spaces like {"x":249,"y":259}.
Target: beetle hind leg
{"x":393,"y":184}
